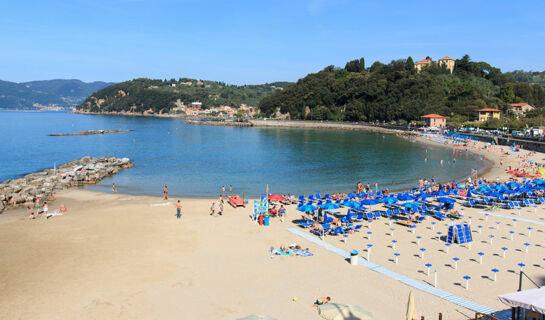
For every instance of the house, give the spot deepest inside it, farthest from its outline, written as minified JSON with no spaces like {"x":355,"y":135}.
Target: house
{"x":488,"y":113}
{"x":448,"y":62}
{"x":435,"y":120}
{"x":521,"y":108}
{"x":421,"y":64}
{"x":196,"y":105}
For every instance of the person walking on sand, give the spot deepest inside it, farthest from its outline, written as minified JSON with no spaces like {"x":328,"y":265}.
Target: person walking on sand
{"x":213,"y":208}
{"x":113,"y":188}
{"x":178,"y":206}
{"x":220,"y":208}
{"x":165,"y":192}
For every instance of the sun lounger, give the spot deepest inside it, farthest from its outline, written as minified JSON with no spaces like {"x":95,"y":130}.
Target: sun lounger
{"x":439,"y":215}
{"x":376,"y":214}
{"x":369,"y":215}
{"x":405,"y":223}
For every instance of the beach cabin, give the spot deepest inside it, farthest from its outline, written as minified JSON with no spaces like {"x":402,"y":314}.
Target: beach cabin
{"x":520,"y":109}
{"x":435,"y":120}
{"x":488,"y":113}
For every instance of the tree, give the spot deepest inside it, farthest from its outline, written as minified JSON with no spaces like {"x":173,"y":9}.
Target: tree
{"x":507,"y":93}
{"x":355,"y":65}
{"x":410,"y":63}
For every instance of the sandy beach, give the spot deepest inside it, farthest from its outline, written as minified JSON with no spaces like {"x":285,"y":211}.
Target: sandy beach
{"x":116,"y":256}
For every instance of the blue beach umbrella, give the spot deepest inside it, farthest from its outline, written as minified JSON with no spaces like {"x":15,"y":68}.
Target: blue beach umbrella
{"x":539,"y":182}
{"x":439,"y":193}
{"x":501,"y":188}
{"x":307,"y":208}
{"x":370,"y":201}
{"x":493,"y":194}
{"x":405,"y":197}
{"x":445,"y":200}
{"x":388,"y":200}
{"x":351,"y":204}
{"x":425,"y":195}
{"x":484,"y":189}
{"x":513,"y":184}
{"x":329,"y":206}
{"x":411,"y":205}
{"x":351,"y":195}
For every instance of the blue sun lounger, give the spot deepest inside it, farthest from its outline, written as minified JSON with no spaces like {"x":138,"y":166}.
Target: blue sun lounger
{"x":369,"y":216}
{"x":439,"y":215}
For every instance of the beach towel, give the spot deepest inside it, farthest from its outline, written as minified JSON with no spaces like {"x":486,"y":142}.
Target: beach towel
{"x":160,"y":204}
{"x":302,"y":253}
{"x":280,"y":252}
{"x":53,"y":214}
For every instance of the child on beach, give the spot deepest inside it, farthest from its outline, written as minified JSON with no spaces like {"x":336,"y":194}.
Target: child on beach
{"x":30,"y":212}
{"x":213,"y":208}
{"x":178,"y":206}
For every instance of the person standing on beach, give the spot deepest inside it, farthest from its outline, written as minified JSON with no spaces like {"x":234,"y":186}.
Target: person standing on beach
{"x":46,"y":209}
{"x":230,"y":189}
{"x":222,"y":190}
{"x":178,"y":206}
{"x":165,"y":192}
{"x":30,"y":212}
{"x":113,"y":188}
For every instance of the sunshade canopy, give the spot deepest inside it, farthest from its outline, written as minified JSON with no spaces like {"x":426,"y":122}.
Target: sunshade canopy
{"x":532,"y":299}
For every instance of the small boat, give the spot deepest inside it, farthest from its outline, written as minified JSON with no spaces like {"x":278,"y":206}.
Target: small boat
{"x":236,"y":201}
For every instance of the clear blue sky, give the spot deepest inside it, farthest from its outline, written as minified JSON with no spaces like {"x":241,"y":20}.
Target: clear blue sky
{"x":256,"y":41}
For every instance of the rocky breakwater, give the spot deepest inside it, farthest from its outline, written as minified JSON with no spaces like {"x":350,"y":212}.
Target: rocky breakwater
{"x":87,"y":170}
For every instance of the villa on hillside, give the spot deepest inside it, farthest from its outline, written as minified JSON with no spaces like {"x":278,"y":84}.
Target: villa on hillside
{"x":488,"y":113}
{"x":520,"y":108}
{"x":435,"y":120}
{"x":447,"y":61}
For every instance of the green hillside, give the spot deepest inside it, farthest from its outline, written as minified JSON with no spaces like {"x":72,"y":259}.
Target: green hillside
{"x":59,"y":92}
{"x":395,"y":91}
{"x":537,"y":77}
{"x":160,"y":96}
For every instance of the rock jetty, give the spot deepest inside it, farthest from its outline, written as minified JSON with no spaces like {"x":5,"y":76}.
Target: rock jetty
{"x":88,"y":132}
{"x":87,"y":170}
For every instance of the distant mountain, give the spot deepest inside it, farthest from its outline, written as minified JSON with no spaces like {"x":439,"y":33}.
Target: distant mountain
{"x":160,"y":96}
{"x":46,"y":93}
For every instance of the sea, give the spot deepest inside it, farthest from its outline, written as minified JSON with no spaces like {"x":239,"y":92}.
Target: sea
{"x":196,"y":161}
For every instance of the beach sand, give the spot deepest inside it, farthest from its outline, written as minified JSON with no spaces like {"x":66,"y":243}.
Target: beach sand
{"x":114,"y":256}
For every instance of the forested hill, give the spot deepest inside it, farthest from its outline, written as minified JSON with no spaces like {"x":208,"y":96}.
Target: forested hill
{"x":529,"y":76}
{"x":160,"y":96}
{"x":60,"y":93}
{"x":396,"y":91}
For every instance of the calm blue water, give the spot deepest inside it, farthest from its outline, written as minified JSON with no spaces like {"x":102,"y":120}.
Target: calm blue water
{"x":195,"y":161}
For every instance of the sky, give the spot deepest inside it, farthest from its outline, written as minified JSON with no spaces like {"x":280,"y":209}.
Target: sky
{"x":251,"y":42}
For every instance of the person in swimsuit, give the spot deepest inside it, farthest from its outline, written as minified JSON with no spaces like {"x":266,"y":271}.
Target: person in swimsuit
{"x":165,"y":192}
{"x":178,"y":206}
{"x":321,"y":301}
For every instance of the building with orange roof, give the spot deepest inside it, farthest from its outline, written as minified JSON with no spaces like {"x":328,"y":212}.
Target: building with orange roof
{"x":421,"y":64}
{"x":520,"y":108}
{"x":448,"y":62}
{"x":488,"y":113}
{"x":435,"y":120}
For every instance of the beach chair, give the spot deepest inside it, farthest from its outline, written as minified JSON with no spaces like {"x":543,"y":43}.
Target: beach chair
{"x":318,"y":196}
{"x":376,"y":214}
{"x":302,"y":199}
{"x":528,"y":202}
{"x":360,"y":217}
{"x":396,"y":212}
{"x":336,"y":231}
{"x":328,"y":196}
{"x":389,"y":213}
{"x":369,"y":215}
{"x":357,"y":227}
{"x":439,"y":215}
{"x":305,"y":224}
